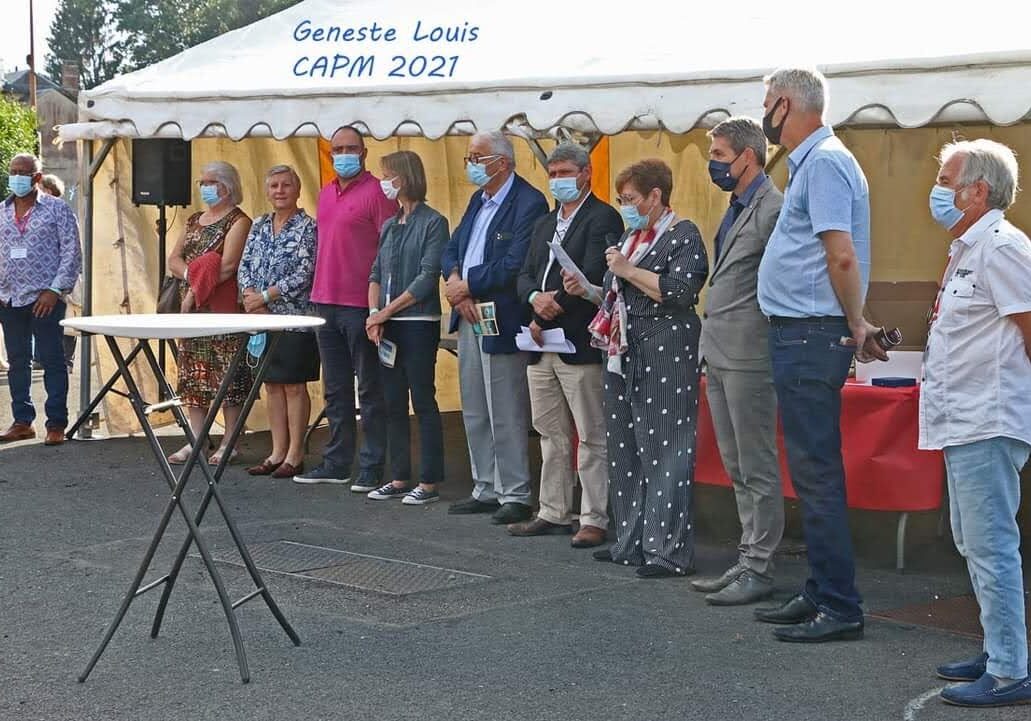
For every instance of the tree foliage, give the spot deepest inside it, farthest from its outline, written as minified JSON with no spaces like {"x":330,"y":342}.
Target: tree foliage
{"x":83,"y":30}
{"x":17,"y":135}
{"x":145,"y":31}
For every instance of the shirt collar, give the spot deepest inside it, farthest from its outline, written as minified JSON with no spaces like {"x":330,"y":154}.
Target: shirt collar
{"x":798,"y":154}
{"x":360,"y":179}
{"x":746,"y":197}
{"x":499,"y":197}
{"x":982,"y":226}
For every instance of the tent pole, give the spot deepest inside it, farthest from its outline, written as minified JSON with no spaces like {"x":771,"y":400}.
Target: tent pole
{"x":85,"y":347}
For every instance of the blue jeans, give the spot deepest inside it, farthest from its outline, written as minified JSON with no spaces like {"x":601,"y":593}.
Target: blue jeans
{"x":984,"y":494}
{"x":20,"y":327}
{"x":810,"y":365}
{"x":414,"y":373}
{"x":346,"y":351}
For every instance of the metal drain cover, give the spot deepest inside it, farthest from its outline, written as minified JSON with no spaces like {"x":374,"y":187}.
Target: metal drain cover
{"x":355,"y":570}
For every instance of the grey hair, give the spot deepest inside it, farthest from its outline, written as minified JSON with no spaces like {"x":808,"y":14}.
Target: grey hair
{"x":53,"y":184}
{"x":742,"y":132}
{"x":987,"y":160}
{"x":37,"y":164}
{"x":806,"y":86}
{"x":280,"y":170}
{"x":226,"y":174}
{"x":499,"y":144}
{"x":570,"y":152}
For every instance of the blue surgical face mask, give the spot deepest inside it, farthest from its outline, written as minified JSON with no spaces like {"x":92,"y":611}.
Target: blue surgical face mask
{"x":209,"y":194}
{"x":20,"y":185}
{"x":477,"y":174}
{"x":256,"y":345}
{"x":347,"y":165}
{"x":943,"y":207}
{"x":564,"y":189}
{"x":633,"y":218}
{"x":719,"y":171}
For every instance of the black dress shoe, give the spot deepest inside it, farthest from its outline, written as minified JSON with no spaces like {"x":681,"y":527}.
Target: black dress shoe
{"x":603,"y":554}
{"x":820,"y":629}
{"x":796,"y":610}
{"x":651,"y":570}
{"x":511,"y":513}
{"x":471,"y":505}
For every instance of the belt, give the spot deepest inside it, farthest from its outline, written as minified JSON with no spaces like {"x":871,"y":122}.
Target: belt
{"x":808,"y":320}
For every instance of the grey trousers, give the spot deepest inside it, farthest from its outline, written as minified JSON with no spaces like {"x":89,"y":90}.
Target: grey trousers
{"x":743,"y":405}
{"x":496,"y":413}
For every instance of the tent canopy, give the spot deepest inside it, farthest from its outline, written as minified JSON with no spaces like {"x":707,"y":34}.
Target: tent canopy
{"x":411,"y":67}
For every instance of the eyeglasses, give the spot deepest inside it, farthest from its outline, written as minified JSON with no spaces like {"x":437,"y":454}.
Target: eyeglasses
{"x":475,"y":158}
{"x":626,"y":200}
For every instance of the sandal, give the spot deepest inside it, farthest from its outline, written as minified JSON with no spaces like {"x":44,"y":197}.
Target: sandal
{"x":181,"y":456}
{"x":264,"y":468}
{"x":216,"y":457}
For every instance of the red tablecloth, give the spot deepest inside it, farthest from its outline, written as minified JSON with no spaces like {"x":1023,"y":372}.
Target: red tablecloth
{"x":884,"y":471}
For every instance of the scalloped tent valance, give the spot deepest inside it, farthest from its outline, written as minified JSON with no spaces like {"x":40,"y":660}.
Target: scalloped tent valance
{"x":407,"y":67}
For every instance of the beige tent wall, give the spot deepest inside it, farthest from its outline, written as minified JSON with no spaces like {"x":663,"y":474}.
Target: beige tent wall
{"x":900,"y":166}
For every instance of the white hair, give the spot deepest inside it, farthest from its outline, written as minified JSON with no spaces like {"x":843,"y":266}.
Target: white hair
{"x":281,"y":170}
{"x":986,"y":160}
{"x":499,"y":144}
{"x":227,"y":176}
{"x":807,"y":87}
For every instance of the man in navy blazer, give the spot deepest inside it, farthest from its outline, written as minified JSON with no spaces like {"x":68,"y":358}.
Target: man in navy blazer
{"x":481,"y":264}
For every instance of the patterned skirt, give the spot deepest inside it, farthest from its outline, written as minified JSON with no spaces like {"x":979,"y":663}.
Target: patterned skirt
{"x":203,"y":363}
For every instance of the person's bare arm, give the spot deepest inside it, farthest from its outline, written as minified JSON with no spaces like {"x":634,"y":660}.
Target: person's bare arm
{"x":175,"y":263}
{"x":232,"y":249}
{"x":843,"y":268}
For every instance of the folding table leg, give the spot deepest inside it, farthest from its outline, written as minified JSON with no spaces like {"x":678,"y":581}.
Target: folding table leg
{"x":107,"y":388}
{"x":177,"y":486}
{"x":214,"y":493}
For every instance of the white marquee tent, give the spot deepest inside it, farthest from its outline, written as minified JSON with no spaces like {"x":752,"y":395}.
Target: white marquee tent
{"x":432,"y":69}
{"x":667,"y":63}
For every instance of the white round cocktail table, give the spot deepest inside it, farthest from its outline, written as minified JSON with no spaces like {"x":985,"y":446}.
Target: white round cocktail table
{"x":143,"y":329}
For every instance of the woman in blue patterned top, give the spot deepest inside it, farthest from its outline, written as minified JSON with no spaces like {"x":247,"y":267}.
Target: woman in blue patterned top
{"x":275,"y":277}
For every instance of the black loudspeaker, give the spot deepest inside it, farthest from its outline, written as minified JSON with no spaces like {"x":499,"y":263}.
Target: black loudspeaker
{"x":161,"y":172}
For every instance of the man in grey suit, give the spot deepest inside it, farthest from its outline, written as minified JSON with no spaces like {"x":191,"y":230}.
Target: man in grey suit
{"x":739,"y":377}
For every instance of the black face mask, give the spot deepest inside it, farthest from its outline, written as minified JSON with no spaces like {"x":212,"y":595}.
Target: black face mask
{"x":773,"y":133}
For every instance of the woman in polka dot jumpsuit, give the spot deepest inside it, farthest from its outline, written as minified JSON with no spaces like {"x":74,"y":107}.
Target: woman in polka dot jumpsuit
{"x":651,"y":409}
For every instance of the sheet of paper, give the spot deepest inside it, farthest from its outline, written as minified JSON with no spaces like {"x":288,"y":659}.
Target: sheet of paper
{"x":555,"y":341}
{"x":570,"y":267}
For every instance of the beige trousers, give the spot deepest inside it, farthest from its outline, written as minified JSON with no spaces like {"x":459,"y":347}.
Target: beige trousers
{"x":564,"y":398}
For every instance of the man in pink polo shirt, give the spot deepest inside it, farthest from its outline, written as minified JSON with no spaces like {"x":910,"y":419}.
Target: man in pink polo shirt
{"x":352,"y":210}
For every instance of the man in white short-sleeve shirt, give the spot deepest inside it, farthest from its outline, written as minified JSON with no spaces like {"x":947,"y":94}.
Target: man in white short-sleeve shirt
{"x":975,"y":403}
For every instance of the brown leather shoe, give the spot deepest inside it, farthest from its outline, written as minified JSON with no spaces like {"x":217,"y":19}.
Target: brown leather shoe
{"x":287,"y":470}
{"x":588,"y":537}
{"x":18,"y":432}
{"x":55,"y":437}
{"x":538,"y":527}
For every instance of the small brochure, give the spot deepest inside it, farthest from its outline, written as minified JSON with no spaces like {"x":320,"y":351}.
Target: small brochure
{"x":488,"y":324}
{"x":387,"y":352}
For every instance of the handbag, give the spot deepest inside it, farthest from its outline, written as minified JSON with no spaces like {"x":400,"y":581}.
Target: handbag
{"x":168,"y":297}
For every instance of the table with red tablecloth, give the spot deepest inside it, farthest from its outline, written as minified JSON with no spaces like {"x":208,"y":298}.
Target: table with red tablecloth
{"x":884,"y":470}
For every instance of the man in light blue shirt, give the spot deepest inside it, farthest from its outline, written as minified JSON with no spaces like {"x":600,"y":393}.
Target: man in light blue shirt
{"x":812,"y":285}
{"x":40,"y":260}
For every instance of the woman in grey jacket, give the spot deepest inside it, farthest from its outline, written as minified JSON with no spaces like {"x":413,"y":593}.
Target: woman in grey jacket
{"x":404,"y":311}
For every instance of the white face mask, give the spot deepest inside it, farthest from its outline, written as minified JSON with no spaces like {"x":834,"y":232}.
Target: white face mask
{"x":387,"y":186}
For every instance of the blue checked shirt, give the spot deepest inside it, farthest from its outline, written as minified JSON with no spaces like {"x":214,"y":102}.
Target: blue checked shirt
{"x":826,"y":191}
{"x":286,"y":261}
{"x":45,"y":256}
